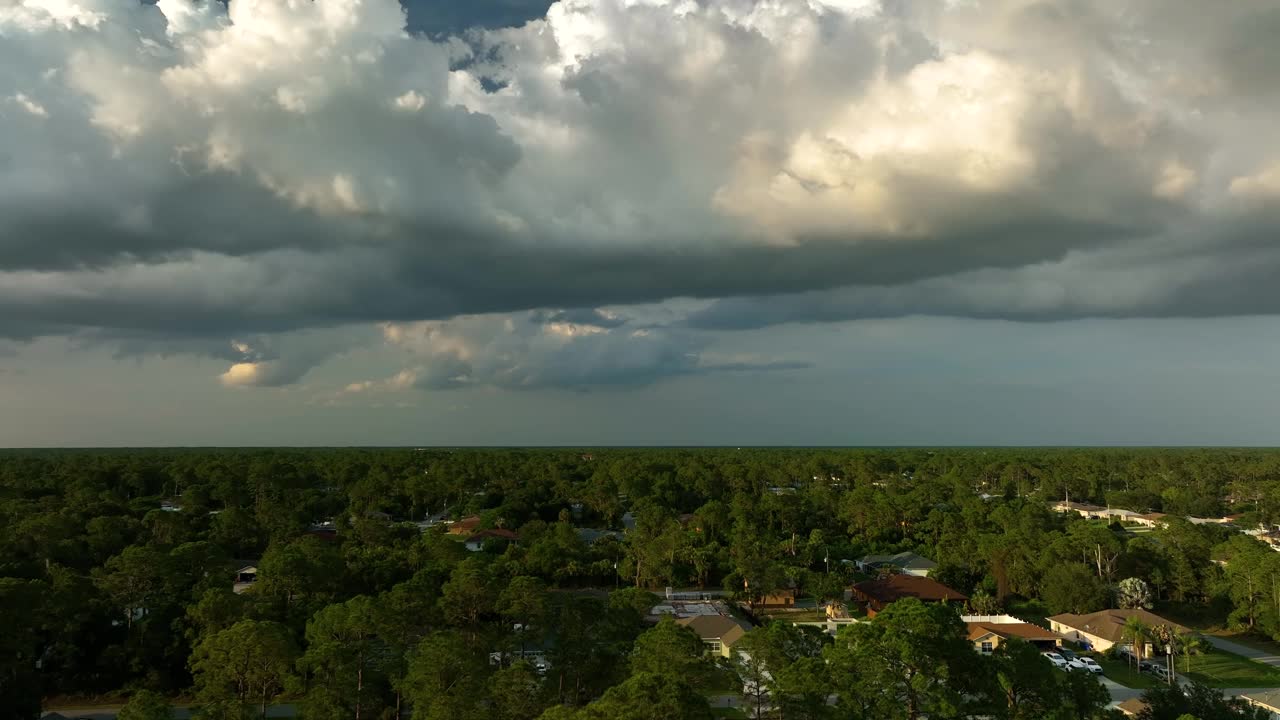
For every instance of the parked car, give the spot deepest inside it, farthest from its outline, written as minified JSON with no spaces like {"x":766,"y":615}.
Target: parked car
{"x":1147,"y":666}
{"x":1090,"y":664}
{"x":1160,"y":671}
{"x":1057,"y":660}
{"x":1066,"y":654}
{"x":1074,"y":665}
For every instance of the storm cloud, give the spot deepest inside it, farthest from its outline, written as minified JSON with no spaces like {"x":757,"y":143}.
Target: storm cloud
{"x":228,"y":179}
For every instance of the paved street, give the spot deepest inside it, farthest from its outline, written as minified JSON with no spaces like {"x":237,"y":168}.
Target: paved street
{"x":1245,"y":650}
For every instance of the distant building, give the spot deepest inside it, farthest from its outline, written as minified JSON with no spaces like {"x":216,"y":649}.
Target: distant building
{"x":877,"y":594}
{"x":591,"y":536}
{"x":465,"y":526}
{"x":907,"y":563}
{"x":1151,"y":520}
{"x":477,"y":541}
{"x":245,"y":578}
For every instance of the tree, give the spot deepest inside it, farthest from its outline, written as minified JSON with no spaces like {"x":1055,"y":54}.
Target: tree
{"x":1190,"y":644}
{"x":674,"y":651}
{"x":344,"y":657}
{"x":1171,"y":702}
{"x":524,"y":602}
{"x":646,"y":696}
{"x":247,"y":663}
{"x":1133,"y":593}
{"x":146,"y":705}
{"x":983,"y":603}
{"x":468,"y":595}
{"x":1071,"y":588}
{"x":446,"y":678}
{"x":1028,"y":682}
{"x":1136,"y":633}
{"x":516,"y":692}
{"x":911,"y":661}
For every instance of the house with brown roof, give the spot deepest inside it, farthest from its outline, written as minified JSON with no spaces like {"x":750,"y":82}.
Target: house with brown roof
{"x":1132,"y":707}
{"x":877,"y":594}
{"x":465,"y":526}
{"x":718,"y":632}
{"x":1105,"y":628}
{"x":478,"y":540}
{"x":988,"y":635}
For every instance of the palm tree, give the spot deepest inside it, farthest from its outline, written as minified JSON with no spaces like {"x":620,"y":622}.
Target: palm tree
{"x":1136,"y":632}
{"x":1190,"y":645}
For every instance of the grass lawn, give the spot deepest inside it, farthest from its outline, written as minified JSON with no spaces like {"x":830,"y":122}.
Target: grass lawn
{"x":1228,"y":670}
{"x":1121,"y":672}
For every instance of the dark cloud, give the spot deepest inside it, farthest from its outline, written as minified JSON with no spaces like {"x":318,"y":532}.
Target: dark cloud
{"x":168,"y":181}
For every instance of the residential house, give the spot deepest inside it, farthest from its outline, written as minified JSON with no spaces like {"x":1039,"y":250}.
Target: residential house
{"x":466,"y":526}
{"x":1268,"y":700}
{"x":1119,"y":514}
{"x":878,"y":594}
{"x":1105,"y":628}
{"x":988,"y":632}
{"x":325,"y":530}
{"x":1150,"y":520}
{"x":245,"y":578}
{"x":170,"y":506}
{"x":1083,"y":509}
{"x":477,"y":541}
{"x":906,"y":563}
{"x":718,"y":632}
{"x":1133,"y":707}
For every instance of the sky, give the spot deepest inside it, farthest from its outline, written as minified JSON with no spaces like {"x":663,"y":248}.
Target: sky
{"x":639,"y":222}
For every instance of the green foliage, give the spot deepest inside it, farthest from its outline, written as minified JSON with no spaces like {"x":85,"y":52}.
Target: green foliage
{"x":146,"y":705}
{"x":248,"y":663}
{"x":673,"y":651}
{"x":1171,"y":702}
{"x":111,"y":592}
{"x":1074,"y":589}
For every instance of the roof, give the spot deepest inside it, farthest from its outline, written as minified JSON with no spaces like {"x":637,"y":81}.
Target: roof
{"x":1078,"y":506}
{"x":1109,"y":624}
{"x":592,"y":535}
{"x":715,"y":627}
{"x":1269,"y":699}
{"x":499,"y":533}
{"x":1153,"y":516}
{"x":466,"y":523}
{"x":904,"y":560}
{"x":1132,"y":707}
{"x":247,"y":569}
{"x":1023,"y":631}
{"x":896,"y":587}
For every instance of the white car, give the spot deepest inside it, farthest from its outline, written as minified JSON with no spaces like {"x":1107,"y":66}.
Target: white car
{"x":1075,"y":665}
{"x":1090,"y":664}
{"x":1057,"y":660}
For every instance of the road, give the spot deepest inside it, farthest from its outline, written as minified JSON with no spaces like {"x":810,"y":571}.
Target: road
{"x":1234,"y":647}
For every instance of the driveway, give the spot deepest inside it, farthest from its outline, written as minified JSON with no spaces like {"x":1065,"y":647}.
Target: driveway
{"x":1233,"y":647}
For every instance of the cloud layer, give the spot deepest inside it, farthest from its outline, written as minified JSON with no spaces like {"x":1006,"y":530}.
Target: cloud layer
{"x":188,"y":175}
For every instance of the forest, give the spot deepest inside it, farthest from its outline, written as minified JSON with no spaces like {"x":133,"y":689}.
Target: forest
{"x":117,"y":572}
